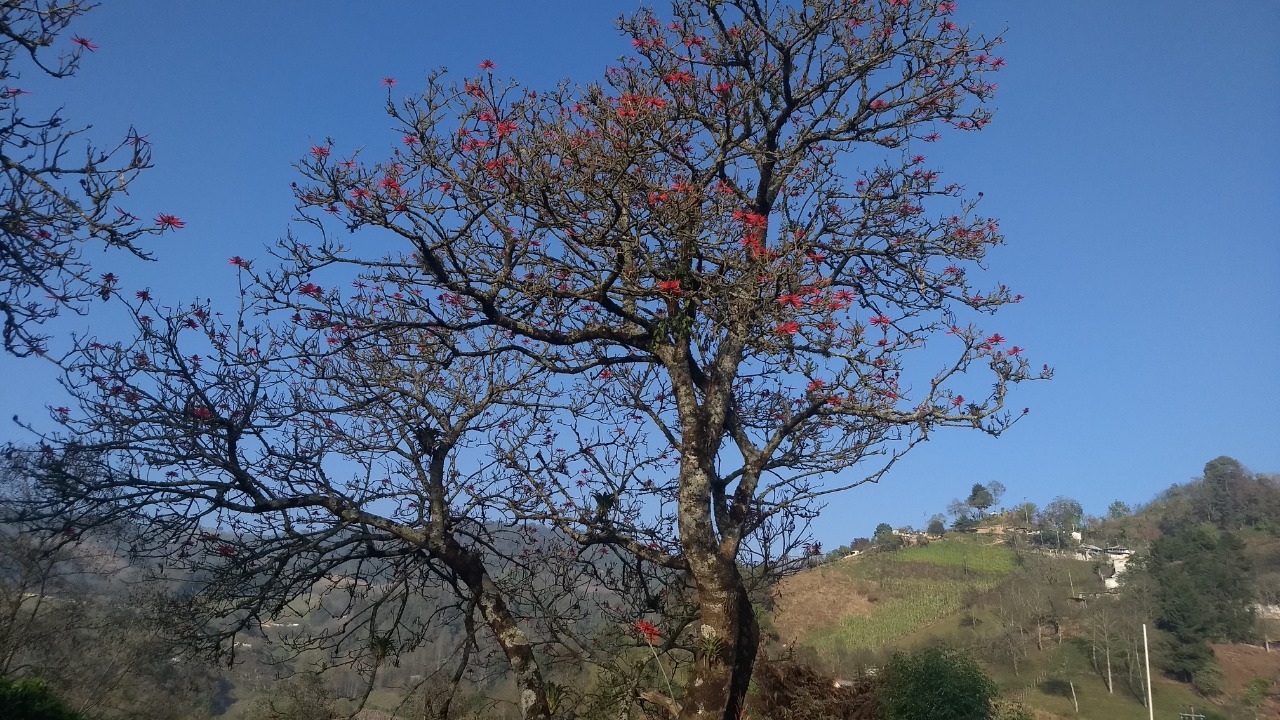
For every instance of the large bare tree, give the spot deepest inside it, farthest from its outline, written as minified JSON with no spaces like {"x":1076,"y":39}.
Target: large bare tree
{"x":664,"y":314}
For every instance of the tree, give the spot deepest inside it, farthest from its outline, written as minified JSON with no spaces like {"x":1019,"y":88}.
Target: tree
{"x":1118,"y":509}
{"x":1206,"y":594}
{"x":1062,"y":514}
{"x":58,"y":192}
{"x":885,"y":539}
{"x":980,"y":499}
{"x":696,"y":322}
{"x":1225,"y":481}
{"x":997,"y":491}
{"x":937,"y":524}
{"x":938,"y":684}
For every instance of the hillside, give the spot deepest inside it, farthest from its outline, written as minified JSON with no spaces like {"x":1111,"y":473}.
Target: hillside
{"x":1040,"y":623}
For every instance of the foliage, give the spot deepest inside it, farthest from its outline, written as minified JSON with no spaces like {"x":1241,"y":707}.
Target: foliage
{"x":885,"y":539}
{"x":1118,"y":509}
{"x":937,"y":525}
{"x":980,"y":499}
{"x":1205,"y":594}
{"x":57,"y":190}
{"x":31,"y":699}
{"x":1062,"y":513}
{"x":936,"y":684}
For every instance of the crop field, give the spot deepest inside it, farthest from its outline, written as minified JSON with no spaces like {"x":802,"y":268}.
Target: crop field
{"x":914,"y":587}
{"x":995,"y":559}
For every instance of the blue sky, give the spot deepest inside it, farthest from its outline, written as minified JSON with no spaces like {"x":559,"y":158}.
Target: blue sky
{"x":1132,"y":163}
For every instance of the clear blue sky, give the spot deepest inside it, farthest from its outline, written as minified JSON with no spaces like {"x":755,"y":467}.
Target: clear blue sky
{"x":1133,"y":164}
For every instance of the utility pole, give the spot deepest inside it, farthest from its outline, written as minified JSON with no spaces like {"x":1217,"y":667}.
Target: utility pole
{"x":1146,"y":656}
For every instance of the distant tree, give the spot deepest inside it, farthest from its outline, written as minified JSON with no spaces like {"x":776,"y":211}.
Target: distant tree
{"x":1226,"y":483}
{"x":957,"y":509}
{"x":57,"y":191}
{"x":1118,"y":509}
{"x":1025,"y":512}
{"x":938,"y":684}
{"x":886,"y":539}
{"x":964,"y":523}
{"x":980,"y":499}
{"x":997,"y":491}
{"x":1062,"y":513}
{"x":1206,"y":594}
{"x":302,"y":697}
{"x":937,"y":524}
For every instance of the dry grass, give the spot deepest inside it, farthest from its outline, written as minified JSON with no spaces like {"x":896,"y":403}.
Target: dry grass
{"x":818,"y":599}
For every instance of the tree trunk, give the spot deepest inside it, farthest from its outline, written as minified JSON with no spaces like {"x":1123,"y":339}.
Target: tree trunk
{"x":727,"y":638}
{"x":511,"y":638}
{"x":1110,"y":688}
{"x":727,"y":634}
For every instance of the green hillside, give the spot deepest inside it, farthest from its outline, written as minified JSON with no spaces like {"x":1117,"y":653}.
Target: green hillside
{"x":1040,"y":623}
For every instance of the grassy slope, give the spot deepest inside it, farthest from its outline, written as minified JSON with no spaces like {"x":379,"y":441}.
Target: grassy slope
{"x":923,"y":594}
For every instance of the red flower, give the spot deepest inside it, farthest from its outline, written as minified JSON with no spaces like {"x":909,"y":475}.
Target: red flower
{"x":647,"y":630}
{"x":789,"y":299}
{"x":995,"y":339}
{"x":143,"y":295}
{"x":238,"y":261}
{"x":788,"y":328}
{"x":670,"y":286}
{"x":202,"y":413}
{"x":1013,"y":350}
{"x":167,"y":222}
{"x":84,"y":43}
{"x":488,"y":65}
{"x":311,"y":290}
{"x":389,"y":82}
{"x":879,"y":105}
{"x":955,"y":402}
{"x":882,"y":320}
{"x":320,"y":151}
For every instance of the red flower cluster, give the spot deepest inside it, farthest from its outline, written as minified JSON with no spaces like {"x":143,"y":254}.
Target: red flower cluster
{"x":167,"y":222}
{"x":647,"y":630}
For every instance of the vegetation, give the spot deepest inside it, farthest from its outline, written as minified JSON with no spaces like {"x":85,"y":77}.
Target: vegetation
{"x":936,"y":684}
{"x":31,"y":699}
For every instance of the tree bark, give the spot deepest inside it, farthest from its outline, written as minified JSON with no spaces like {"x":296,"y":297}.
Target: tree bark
{"x":511,"y":638}
{"x":728,"y":634}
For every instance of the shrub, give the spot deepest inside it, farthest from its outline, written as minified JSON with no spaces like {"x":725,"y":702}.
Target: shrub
{"x":31,"y":699}
{"x":936,"y":684}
